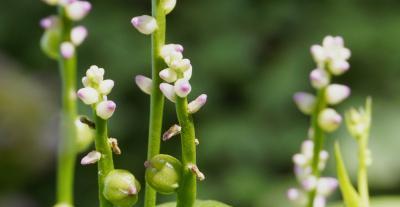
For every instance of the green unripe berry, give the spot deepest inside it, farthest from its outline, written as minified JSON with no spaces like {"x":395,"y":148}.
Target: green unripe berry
{"x":163,"y":173}
{"x":50,"y":42}
{"x":121,"y":188}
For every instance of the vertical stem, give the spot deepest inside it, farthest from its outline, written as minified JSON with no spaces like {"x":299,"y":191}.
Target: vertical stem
{"x":156,"y":98}
{"x":362,"y":170}
{"x":318,"y":138}
{"x":67,"y":143}
{"x":105,"y":164}
{"x":187,"y":190}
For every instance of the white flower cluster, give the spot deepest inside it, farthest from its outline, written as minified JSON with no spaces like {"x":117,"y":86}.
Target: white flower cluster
{"x":96,"y":90}
{"x":330,"y":58}
{"x":75,"y":10}
{"x":324,"y":186}
{"x":146,"y":24}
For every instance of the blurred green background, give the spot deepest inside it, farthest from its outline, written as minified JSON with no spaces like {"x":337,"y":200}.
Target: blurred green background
{"x":249,"y":56}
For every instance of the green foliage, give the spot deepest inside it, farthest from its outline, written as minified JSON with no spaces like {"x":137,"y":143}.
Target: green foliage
{"x":198,"y":203}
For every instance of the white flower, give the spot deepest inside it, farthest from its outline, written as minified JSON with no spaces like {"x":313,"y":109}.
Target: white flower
{"x":95,"y":74}
{"x":144,"y":83}
{"x":305,"y":102}
{"x":168,"y":91}
{"x":67,"y":50}
{"x":77,"y":10}
{"x":181,"y":65}
{"x":171,"y":52}
{"x":336,"y":93}
{"x":319,"y":78}
{"x":168,"y":5}
{"x":105,"y":109}
{"x":88,"y":95}
{"x":326,"y":186}
{"x":78,"y":35}
{"x":182,"y":87}
{"x":329,"y":120}
{"x":145,"y":24}
{"x":168,"y":75}
{"x":106,"y":86}
{"x":196,"y":104}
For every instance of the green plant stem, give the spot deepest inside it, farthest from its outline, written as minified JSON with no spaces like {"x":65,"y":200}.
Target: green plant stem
{"x":362,"y":170}
{"x":67,"y":143}
{"x":105,"y":164}
{"x":318,"y":138}
{"x":187,"y":190}
{"x":156,"y":98}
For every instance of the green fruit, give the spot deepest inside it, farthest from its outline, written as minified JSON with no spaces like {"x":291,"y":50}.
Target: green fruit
{"x":163,"y":173}
{"x":50,"y":42}
{"x":85,"y":135}
{"x":121,"y":188}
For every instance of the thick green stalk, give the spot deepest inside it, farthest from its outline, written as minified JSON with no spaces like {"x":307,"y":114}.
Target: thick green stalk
{"x":105,"y":164}
{"x":187,"y":190}
{"x":67,"y":143}
{"x":362,"y":170}
{"x":156,"y":98}
{"x":318,"y":138}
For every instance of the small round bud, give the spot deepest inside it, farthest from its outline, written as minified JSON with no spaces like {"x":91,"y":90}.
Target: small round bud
{"x":182,"y":87}
{"x":326,"y":186}
{"x":329,"y":120}
{"x":307,"y":148}
{"x":318,"y":54}
{"x":300,"y":160}
{"x":106,"y":86}
{"x":310,"y":183}
{"x":336,"y":93}
{"x":305,"y":102}
{"x":77,"y":10}
{"x":145,"y":24}
{"x":339,"y":67}
{"x":319,"y":78}
{"x":196,"y":104}
{"x":296,"y":196}
{"x":105,"y":109}
{"x":95,"y":74}
{"x":67,"y":50}
{"x":144,"y":83}
{"x":88,"y":95}
{"x":168,"y":5}
{"x":171,"y":52}
{"x":78,"y":35}
{"x":319,"y":201}
{"x":181,"y":65}
{"x":168,"y":91}
{"x":163,"y":173}
{"x":168,"y":75}
{"x":121,"y":188}
{"x":91,"y":158}
{"x":50,"y":42}
{"x":85,"y":135}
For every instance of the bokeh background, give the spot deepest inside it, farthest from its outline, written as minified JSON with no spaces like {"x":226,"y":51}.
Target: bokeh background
{"x":249,"y":56}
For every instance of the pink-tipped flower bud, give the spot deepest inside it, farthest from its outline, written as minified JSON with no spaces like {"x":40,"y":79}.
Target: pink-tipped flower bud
{"x":196,"y":104}
{"x":106,"y":86}
{"x":326,"y":186}
{"x":182,"y":87}
{"x":105,"y":109}
{"x":95,"y":74}
{"x":88,"y":95}
{"x":78,"y":35}
{"x":168,"y":75}
{"x":67,"y":50}
{"x":318,"y":54}
{"x":305,"y":102}
{"x":339,"y":67}
{"x":300,"y":160}
{"x":329,"y":120}
{"x":49,"y":22}
{"x":91,"y":158}
{"x":168,"y":5}
{"x":336,"y":93}
{"x":144,"y":83}
{"x":307,"y":148}
{"x":319,"y":78}
{"x":77,"y":10}
{"x":145,"y":24}
{"x":310,"y":183}
{"x":168,"y":91}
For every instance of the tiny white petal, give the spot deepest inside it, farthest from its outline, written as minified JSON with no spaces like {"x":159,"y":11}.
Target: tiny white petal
{"x":319,"y":201}
{"x":305,"y":102}
{"x":336,"y":93}
{"x":339,"y":67}
{"x":88,"y":95}
{"x":168,"y":75}
{"x":319,"y":78}
{"x":106,"y":86}
{"x":182,"y":87}
{"x":329,"y":120}
{"x":144,"y":83}
{"x":105,"y":109}
{"x":310,"y":183}
{"x":326,"y":186}
{"x":181,"y":65}
{"x":77,"y":10}
{"x":307,"y":148}
{"x":145,"y":24}
{"x":67,"y":49}
{"x":169,"y":5}
{"x":85,"y":81}
{"x":196,"y":104}
{"x":188,"y":73}
{"x":91,"y":158}
{"x":95,"y":74}
{"x":300,"y":160}
{"x":168,"y":91}
{"x":78,"y":35}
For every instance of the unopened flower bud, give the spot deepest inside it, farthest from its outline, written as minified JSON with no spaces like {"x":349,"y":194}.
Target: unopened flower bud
{"x":168,"y":5}
{"x":105,"y":109}
{"x":307,"y":148}
{"x":319,"y":201}
{"x":305,"y":102}
{"x":85,"y":135}
{"x":78,"y":35}
{"x":336,"y":93}
{"x":196,"y":104}
{"x":319,"y":78}
{"x":121,"y":188}
{"x":91,"y":158}
{"x":88,"y":95}
{"x":329,"y":120}
{"x":163,"y":173}
{"x":77,"y":10}
{"x":67,"y":50}
{"x":144,"y":83}
{"x":296,"y":196}
{"x":181,"y":65}
{"x":49,"y":22}
{"x":310,"y":183}
{"x":95,"y":74}
{"x":145,"y":24}
{"x":318,"y":54}
{"x":106,"y":86}
{"x":339,"y":67}
{"x":168,"y":91}
{"x":168,"y":75}
{"x":300,"y":160}
{"x":171,"y":52}
{"x":182,"y":87}
{"x":326,"y":186}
